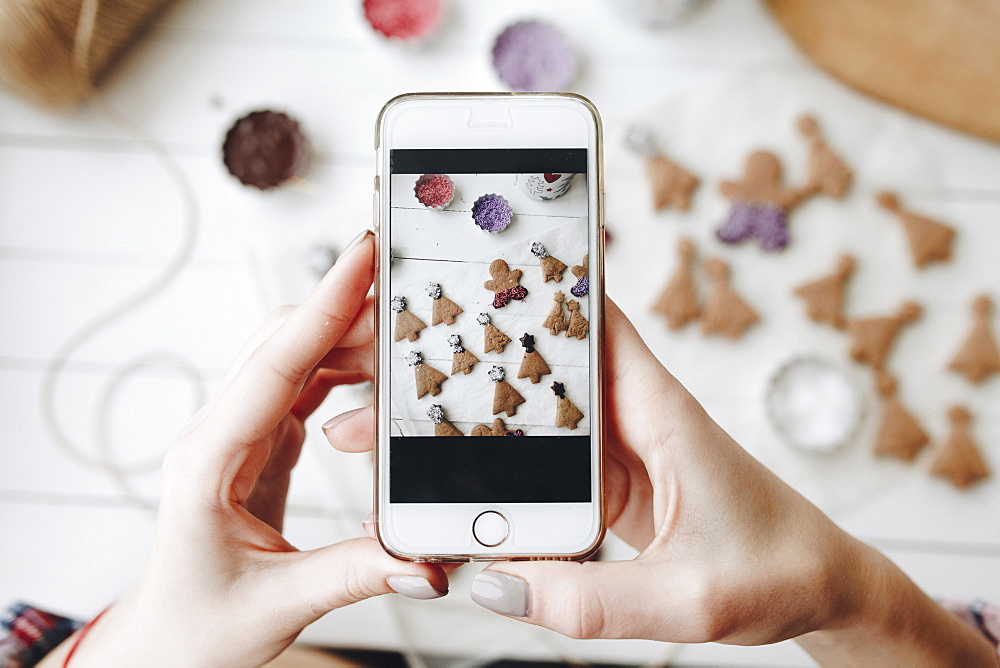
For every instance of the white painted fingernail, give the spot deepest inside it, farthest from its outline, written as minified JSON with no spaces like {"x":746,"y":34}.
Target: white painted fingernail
{"x":337,"y":419}
{"x":500,"y":592}
{"x":369,"y":518}
{"x":413,"y":586}
{"x":355,"y":241}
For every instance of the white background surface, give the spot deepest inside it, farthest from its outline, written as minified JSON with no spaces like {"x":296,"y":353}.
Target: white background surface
{"x":87,"y":216}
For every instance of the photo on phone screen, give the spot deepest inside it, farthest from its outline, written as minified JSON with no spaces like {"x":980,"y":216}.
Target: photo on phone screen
{"x":489,"y":338}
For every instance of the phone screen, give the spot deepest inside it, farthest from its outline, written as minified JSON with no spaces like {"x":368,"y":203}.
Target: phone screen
{"x":489,"y":344}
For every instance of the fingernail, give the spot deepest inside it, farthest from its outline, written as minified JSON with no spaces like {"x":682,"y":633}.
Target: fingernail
{"x":413,"y":586}
{"x":355,"y":241}
{"x":369,"y":518}
{"x":337,"y":419}
{"x":502,"y":593}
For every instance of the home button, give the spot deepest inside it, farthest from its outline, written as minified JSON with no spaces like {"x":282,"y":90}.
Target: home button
{"x":490,"y":528}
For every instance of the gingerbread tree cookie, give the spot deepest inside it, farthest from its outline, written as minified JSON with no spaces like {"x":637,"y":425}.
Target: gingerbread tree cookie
{"x":930,"y":240}
{"x":556,"y":321}
{"x":494,"y":341}
{"x":408,"y":326}
{"x":532,"y":364}
{"x":978,"y":358}
{"x":441,"y":426}
{"x":552,"y":269}
{"x":443,"y":310}
{"x":671,"y":184}
{"x":959,"y":459}
{"x":428,"y":378}
{"x":578,"y":325}
{"x":824,"y":297}
{"x":872,"y":338}
{"x":725,"y":311}
{"x":761,"y":203}
{"x":462,"y":360}
{"x":827,"y":171}
{"x":678,"y":302}
{"x":505,"y":284}
{"x":567,"y":415}
{"x":505,"y":398}
{"x":582,"y":273}
{"x":899,"y":434}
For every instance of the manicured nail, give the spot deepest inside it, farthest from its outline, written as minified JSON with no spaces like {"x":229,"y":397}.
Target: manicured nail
{"x":502,"y":593}
{"x":369,"y":518}
{"x":337,"y":419}
{"x":413,"y":586}
{"x":355,"y":241}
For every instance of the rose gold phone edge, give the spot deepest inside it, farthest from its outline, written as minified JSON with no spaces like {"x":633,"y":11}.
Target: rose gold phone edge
{"x":597,"y":382}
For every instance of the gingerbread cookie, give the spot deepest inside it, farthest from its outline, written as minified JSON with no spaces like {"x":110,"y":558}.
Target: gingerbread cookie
{"x":441,"y":426}
{"x":824,"y":297}
{"x":462,"y":360}
{"x":582,"y":273}
{"x":532,"y":364}
{"x":428,"y":378}
{"x":959,"y":459}
{"x":505,"y":284}
{"x":505,"y":398}
{"x":827,"y":171}
{"x":678,"y":302}
{"x":930,"y":240}
{"x":494,"y":341}
{"x":978,"y":358}
{"x":872,"y":338}
{"x":899,"y":434}
{"x":552,"y":269}
{"x":498,"y":429}
{"x":725,"y":311}
{"x":671,"y":184}
{"x":578,"y":325}
{"x":567,"y":415}
{"x":761,"y":204}
{"x":443,"y":310}
{"x":408,"y":326}
{"x":556,"y":320}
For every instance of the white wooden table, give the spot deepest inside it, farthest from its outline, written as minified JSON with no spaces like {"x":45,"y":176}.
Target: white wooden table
{"x":88,"y":216}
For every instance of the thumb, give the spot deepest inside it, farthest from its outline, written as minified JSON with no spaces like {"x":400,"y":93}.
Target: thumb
{"x":321,"y":580}
{"x":617,"y":599}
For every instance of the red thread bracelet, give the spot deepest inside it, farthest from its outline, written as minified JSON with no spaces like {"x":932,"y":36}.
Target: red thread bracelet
{"x":83,"y":634}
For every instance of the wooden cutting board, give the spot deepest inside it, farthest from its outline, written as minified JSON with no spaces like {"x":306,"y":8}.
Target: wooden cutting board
{"x":936,"y":58}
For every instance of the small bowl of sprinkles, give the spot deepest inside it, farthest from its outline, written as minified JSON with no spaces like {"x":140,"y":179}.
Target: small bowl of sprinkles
{"x":491,"y":213}
{"x":404,"y":20}
{"x":435,"y":191}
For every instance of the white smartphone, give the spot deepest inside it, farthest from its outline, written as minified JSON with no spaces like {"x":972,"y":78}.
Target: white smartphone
{"x":489,"y":292}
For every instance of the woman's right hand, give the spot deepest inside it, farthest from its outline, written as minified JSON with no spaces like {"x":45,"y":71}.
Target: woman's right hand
{"x":728,"y":552}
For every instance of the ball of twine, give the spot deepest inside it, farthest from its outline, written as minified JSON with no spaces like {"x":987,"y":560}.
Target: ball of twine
{"x":53,"y":52}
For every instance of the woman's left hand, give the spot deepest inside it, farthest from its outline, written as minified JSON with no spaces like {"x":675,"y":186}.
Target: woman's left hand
{"x":222,"y":587}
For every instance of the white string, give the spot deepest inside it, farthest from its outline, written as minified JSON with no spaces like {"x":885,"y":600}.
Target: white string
{"x":104,"y":460}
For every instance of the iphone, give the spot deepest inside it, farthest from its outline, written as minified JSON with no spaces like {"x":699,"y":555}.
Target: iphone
{"x":489,"y":323}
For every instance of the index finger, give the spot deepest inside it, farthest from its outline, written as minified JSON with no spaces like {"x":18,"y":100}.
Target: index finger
{"x":266,"y":386}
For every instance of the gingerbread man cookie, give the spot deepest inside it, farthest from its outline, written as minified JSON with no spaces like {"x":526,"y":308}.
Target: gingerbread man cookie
{"x":678,"y":302}
{"x":761,"y":203}
{"x":498,"y":429}
{"x":505,"y":284}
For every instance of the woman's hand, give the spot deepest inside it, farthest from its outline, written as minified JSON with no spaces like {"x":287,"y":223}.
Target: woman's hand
{"x":728,"y":553}
{"x":222,"y":587}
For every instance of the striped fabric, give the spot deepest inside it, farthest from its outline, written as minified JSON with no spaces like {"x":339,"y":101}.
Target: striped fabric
{"x":27,"y":634}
